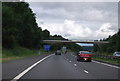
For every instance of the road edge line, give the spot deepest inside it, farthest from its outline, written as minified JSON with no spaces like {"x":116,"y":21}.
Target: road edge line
{"x":106,"y":64}
{"x":29,"y":68}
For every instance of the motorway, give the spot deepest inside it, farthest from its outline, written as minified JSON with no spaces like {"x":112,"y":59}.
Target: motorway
{"x":62,"y":66}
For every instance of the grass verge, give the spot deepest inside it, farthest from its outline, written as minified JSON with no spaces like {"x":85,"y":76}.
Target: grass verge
{"x":19,"y":53}
{"x":110,"y":61}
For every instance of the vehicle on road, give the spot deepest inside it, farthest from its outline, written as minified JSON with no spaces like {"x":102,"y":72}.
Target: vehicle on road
{"x":117,"y":54}
{"x":58,"y":52}
{"x":84,"y":56}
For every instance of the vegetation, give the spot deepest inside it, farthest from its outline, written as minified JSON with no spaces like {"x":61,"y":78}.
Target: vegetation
{"x":20,"y":52}
{"x":16,"y":53}
{"x":87,"y":48}
{"x":111,"y":61}
{"x":114,"y":44}
{"x":19,"y":26}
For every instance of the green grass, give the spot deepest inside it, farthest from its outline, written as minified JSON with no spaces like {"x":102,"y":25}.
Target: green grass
{"x":45,"y":52}
{"x":19,"y":53}
{"x":108,"y":60}
{"x":111,"y":61}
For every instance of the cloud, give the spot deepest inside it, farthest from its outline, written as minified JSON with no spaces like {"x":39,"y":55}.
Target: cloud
{"x":77,"y":20}
{"x":105,"y":30}
{"x":71,"y":30}
{"x":71,"y":0}
{"x":81,"y":11}
{"x":75,"y":30}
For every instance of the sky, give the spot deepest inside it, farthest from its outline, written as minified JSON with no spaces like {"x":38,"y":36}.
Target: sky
{"x":70,"y":0}
{"x":77,"y":20}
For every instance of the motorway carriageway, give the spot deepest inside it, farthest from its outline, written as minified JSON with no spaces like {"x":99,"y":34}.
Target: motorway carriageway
{"x":54,"y":66}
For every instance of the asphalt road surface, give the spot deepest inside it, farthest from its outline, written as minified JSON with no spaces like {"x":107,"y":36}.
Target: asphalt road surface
{"x":62,"y":66}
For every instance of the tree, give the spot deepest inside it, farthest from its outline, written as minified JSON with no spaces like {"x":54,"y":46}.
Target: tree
{"x":118,"y":41}
{"x":19,"y":26}
{"x":46,"y":34}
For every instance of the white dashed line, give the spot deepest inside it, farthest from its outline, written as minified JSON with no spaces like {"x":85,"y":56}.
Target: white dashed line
{"x":75,"y":64}
{"x":107,"y":64}
{"x":86,"y":71}
{"x":28,"y":69}
{"x":73,"y":55}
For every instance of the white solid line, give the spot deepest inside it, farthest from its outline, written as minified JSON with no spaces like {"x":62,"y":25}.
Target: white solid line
{"x":110,"y":65}
{"x":86,"y":71}
{"x":107,"y":64}
{"x":75,"y":64}
{"x":28,"y":69}
{"x":95,"y":61}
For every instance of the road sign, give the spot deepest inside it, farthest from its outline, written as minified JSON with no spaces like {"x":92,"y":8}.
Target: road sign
{"x":46,"y":47}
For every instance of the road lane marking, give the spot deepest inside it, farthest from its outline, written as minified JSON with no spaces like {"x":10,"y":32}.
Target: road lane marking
{"x":95,"y":61}
{"x":110,"y":65}
{"x":29,"y":68}
{"x":75,"y":64}
{"x":86,"y":71}
{"x":73,"y":55}
{"x":107,"y":64}
{"x":69,"y":61}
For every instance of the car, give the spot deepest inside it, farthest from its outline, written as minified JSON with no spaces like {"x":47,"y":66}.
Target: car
{"x":58,"y":52}
{"x":84,"y":56}
{"x":117,"y":54}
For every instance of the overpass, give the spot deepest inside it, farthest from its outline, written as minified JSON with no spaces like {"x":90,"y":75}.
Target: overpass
{"x":70,"y":41}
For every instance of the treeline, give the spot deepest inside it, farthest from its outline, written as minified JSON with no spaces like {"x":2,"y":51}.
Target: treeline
{"x":19,"y":28}
{"x":87,"y":48}
{"x":112,"y":46}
